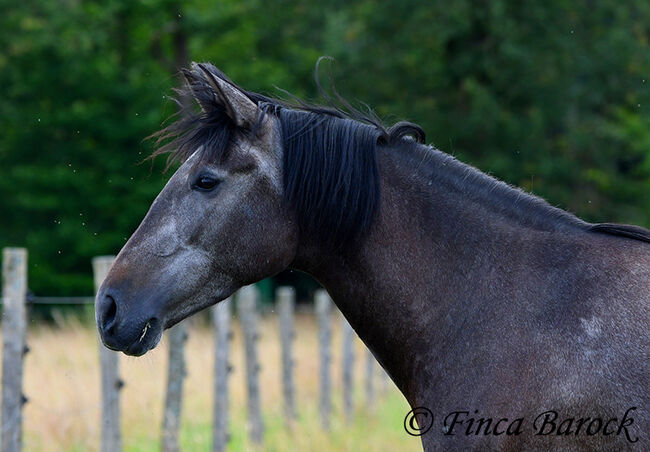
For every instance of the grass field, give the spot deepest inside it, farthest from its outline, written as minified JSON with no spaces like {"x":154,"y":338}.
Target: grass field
{"x":62,"y":384}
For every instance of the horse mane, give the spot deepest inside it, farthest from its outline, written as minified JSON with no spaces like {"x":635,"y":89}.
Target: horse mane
{"x":622,"y":230}
{"x":330,"y":169}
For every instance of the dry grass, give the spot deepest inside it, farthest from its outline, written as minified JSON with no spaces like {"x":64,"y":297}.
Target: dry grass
{"x":62,"y":384}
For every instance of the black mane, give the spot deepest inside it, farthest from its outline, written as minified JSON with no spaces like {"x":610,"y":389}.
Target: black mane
{"x":622,"y":230}
{"x":331,"y":177}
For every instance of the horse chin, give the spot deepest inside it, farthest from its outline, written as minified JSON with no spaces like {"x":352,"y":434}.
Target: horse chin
{"x":148,"y":340}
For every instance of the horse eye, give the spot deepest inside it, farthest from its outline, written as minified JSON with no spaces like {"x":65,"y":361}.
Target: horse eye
{"x":205,"y":183}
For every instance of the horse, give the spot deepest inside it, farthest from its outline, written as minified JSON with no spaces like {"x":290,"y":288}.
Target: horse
{"x":505,"y":322}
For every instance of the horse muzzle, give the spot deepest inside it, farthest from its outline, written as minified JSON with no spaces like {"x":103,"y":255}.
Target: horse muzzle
{"x":132,"y":333}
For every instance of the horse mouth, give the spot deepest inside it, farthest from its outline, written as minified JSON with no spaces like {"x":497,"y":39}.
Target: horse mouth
{"x":147,"y":340}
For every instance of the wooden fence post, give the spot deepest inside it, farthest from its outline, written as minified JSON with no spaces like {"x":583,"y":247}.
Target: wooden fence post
{"x":222,"y":368}
{"x":370,"y":379}
{"x":111,"y":382}
{"x":347,"y":334}
{"x":176,"y":372}
{"x":286,"y":302}
{"x":246,"y":304}
{"x":323,"y":310}
{"x":14,"y":332}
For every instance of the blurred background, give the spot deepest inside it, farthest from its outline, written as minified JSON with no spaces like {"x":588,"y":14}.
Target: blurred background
{"x":551,"y":96}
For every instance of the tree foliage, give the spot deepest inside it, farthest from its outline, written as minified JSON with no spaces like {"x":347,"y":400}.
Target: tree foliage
{"x":552,"y":96}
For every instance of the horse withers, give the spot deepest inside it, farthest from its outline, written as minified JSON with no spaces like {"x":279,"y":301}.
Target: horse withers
{"x":514,"y":324}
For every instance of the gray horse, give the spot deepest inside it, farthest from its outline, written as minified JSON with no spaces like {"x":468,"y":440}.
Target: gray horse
{"x":506,"y":323}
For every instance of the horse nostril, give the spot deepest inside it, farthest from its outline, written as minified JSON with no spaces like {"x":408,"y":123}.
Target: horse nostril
{"x":109,"y":312}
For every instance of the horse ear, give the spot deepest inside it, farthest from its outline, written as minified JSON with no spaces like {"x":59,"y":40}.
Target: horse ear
{"x":197,"y":89}
{"x":239,"y":107}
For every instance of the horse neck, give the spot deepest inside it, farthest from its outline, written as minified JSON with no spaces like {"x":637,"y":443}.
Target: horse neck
{"x":428,"y":259}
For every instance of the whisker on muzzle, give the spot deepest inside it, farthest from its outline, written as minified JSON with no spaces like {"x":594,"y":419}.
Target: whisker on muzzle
{"x":144,"y":331}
